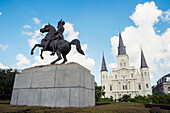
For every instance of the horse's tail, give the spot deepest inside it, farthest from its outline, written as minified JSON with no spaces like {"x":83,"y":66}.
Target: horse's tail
{"x":78,"y":47}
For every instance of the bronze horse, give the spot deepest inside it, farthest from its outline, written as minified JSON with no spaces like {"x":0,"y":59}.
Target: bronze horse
{"x":61,"y":47}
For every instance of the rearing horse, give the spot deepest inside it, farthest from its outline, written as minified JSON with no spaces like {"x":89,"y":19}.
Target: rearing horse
{"x":61,"y":47}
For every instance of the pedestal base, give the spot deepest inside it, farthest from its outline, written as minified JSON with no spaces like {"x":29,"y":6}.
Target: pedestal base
{"x":66,"y":85}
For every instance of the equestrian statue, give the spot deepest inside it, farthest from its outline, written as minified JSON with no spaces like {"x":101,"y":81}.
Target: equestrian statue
{"x":54,"y":42}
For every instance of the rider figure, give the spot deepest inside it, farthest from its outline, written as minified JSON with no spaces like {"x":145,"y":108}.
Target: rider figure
{"x":57,"y":36}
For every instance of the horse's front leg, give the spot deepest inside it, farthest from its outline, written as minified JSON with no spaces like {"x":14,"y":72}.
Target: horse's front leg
{"x":41,"y":55}
{"x":32,"y":51}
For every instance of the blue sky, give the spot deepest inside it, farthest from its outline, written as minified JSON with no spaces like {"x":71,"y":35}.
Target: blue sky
{"x":96,"y":24}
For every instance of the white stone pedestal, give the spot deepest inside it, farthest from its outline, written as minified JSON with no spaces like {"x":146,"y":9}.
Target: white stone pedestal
{"x":66,"y":85}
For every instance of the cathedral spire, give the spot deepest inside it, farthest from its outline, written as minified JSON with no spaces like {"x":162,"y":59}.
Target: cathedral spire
{"x":143,"y":61}
{"x":121,"y":48}
{"x":103,"y":65}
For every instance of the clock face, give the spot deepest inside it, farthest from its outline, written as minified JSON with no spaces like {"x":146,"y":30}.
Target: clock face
{"x":124,"y":71}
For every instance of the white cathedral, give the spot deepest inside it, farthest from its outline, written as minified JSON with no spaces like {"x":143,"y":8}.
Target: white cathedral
{"x":124,"y":79}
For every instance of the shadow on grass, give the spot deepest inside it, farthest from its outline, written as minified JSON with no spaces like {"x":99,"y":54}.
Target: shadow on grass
{"x":102,"y":103}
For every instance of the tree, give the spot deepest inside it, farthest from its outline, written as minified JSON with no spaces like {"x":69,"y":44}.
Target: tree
{"x":6,"y":83}
{"x":99,"y":92}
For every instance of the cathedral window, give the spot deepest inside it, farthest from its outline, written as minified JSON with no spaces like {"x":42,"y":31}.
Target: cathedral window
{"x":139,"y":87}
{"x":104,"y":87}
{"x":168,"y":90}
{"x":115,"y":76}
{"x":120,"y":64}
{"x":132,"y":75}
{"x":145,"y":73}
{"x":147,"y":86}
{"x":121,"y":48}
{"x":119,"y":86}
{"x":125,"y":87}
{"x":110,"y":88}
{"x":129,"y":85}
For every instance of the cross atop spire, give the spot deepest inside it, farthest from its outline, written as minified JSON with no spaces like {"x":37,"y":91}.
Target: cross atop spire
{"x":143,"y":61}
{"x":121,"y":48}
{"x":103,"y":64}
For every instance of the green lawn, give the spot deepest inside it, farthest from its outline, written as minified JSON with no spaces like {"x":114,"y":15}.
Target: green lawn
{"x":102,"y":107}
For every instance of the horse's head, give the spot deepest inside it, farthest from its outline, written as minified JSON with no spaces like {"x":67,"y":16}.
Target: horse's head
{"x":45,"y":29}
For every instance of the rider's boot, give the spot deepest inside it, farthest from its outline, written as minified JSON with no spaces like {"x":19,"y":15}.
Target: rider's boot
{"x":53,"y":52}
{"x":46,"y":46}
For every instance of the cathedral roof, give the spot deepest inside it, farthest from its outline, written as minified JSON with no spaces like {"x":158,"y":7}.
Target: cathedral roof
{"x":143,"y":61}
{"x":103,"y":65}
{"x":121,"y":48}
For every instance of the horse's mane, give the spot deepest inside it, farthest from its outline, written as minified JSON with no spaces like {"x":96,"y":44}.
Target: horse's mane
{"x":53,"y":27}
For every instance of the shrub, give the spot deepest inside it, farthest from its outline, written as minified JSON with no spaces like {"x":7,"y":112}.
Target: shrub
{"x":125,"y":98}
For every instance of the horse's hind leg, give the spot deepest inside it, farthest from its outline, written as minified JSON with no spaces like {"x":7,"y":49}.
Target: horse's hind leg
{"x":32,"y":51}
{"x":59,"y":57}
{"x":65,"y":59}
{"x":41,"y":54}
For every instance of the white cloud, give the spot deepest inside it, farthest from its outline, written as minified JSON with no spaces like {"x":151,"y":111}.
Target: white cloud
{"x":113,"y":65}
{"x":3,"y":47}
{"x":166,"y":15}
{"x":146,"y":14}
{"x":36,"y":20}
{"x":156,"y":48}
{"x":23,"y":62}
{"x":27,"y":26}
{"x":27,"y":33}
{"x":69,"y":32}
{"x":0,"y":13}
{"x":3,"y":67}
{"x":35,"y":38}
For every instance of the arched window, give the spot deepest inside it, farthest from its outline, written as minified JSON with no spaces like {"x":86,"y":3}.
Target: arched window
{"x":142,"y":74}
{"x":119,"y":86}
{"x":145,"y":73}
{"x":110,"y":88}
{"x":115,"y":76}
{"x":147,"y":86}
{"x":123,"y":87}
{"x":124,"y":64}
{"x":139,"y":87}
{"x":132,"y":75}
{"x":104,"y":87}
{"x":168,"y":90}
{"x":103,"y":77}
{"x":120,"y":64}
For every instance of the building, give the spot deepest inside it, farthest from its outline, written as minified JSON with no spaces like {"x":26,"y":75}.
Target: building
{"x":163,"y":85}
{"x":124,"y":79}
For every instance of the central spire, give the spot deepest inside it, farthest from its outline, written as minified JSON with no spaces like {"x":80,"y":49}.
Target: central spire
{"x":121,"y":48}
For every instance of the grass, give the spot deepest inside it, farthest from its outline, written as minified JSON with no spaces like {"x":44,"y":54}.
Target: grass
{"x":101,"y":107}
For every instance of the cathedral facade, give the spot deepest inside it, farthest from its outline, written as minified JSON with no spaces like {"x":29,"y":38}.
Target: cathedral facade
{"x":124,"y":79}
